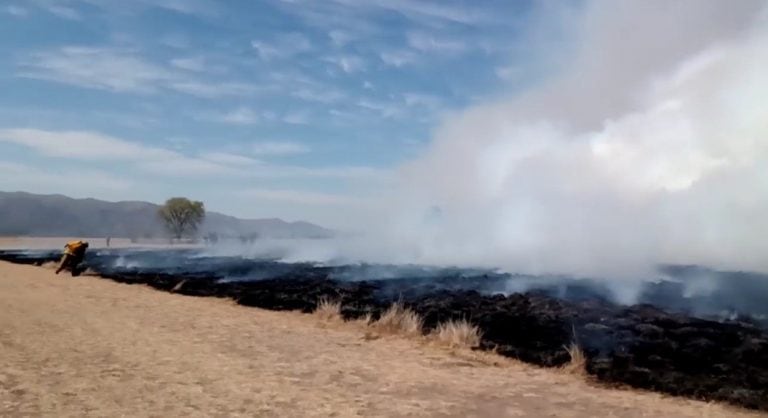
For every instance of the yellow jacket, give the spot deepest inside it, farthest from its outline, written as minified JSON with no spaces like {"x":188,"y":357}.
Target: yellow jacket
{"x":75,"y":248}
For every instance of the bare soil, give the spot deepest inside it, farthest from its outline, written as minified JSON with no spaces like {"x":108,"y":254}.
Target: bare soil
{"x":91,"y":347}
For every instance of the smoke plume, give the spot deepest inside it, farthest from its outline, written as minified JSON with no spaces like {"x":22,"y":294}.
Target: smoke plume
{"x":650,"y":146}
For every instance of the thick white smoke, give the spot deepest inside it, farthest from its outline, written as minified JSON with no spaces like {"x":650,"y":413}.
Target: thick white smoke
{"x":651,"y":146}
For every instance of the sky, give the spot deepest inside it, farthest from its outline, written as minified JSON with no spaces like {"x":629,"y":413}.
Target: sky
{"x":587,"y":137}
{"x":263,"y":108}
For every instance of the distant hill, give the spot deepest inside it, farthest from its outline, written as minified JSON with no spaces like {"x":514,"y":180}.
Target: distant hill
{"x":56,"y":215}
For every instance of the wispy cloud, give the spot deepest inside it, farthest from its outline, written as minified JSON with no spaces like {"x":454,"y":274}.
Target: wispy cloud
{"x":419,"y":10}
{"x":508,"y":73}
{"x":425,"y":42}
{"x":399,"y":58}
{"x":298,"y":196}
{"x":92,"y":146}
{"x":347,"y":63}
{"x":96,"y":68}
{"x":384,"y":109}
{"x":213,"y":90}
{"x":17,"y":11}
{"x":199,"y":8}
{"x":64,"y":12}
{"x":81,"y":145}
{"x":321,"y":96}
{"x":229,"y":159}
{"x":196,"y":64}
{"x":340,"y":37}
{"x":271,"y":148}
{"x":121,"y":71}
{"x":15,"y":176}
{"x":281,"y":46}
{"x":296,"y":118}
{"x":421,"y":99}
{"x":240,"y":116}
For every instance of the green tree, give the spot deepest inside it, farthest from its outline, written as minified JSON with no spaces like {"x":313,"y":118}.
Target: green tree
{"x":181,"y":216}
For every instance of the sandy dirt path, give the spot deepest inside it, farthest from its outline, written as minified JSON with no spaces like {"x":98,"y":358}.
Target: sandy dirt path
{"x":90,"y":347}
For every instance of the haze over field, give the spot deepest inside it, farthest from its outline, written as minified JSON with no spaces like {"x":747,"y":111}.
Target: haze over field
{"x":591,"y":138}
{"x":650,"y":145}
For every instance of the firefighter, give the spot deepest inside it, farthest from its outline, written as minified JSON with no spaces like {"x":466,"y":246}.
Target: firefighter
{"x":74,"y":253}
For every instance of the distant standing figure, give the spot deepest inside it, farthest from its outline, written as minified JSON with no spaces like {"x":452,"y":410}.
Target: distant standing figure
{"x":108,"y":239}
{"x":74,"y":253}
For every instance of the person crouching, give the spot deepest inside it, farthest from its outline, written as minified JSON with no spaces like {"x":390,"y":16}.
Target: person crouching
{"x":74,"y":253}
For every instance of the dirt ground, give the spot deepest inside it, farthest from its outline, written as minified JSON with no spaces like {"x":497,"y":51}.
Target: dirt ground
{"x":72,"y":347}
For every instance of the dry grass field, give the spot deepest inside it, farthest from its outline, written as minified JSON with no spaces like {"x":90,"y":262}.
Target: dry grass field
{"x":73,"y":347}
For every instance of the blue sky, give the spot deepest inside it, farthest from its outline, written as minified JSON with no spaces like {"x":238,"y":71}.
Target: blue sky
{"x":259,"y":108}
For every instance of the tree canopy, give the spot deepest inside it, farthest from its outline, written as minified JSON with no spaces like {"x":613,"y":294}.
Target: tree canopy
{"x":182,"y":216}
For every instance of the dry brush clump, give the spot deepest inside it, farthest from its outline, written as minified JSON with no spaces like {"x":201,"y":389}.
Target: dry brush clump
{"x":457,"y":334}
{"x":578,"y":362}
{"x":328,"y":310}
{"x":398,"y":320}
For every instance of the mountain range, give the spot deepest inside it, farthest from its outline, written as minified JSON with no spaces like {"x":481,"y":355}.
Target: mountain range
{"x":27,"y":214}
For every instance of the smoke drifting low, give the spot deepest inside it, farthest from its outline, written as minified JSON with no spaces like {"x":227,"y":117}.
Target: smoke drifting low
{"x":650,"y":147}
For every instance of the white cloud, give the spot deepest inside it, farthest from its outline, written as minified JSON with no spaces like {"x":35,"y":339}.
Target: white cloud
{"x":175,"y":40}
{"x":327,"y":95}
{"x":96,"y":68}
{"x":16,"y":11}
{"x":240,"y":116}
{"x":90,"y":146}
{"x":214,"y":90}
{"x":298,"y":196}
{"x":64,"y":12}
{"x":191,"y":7}
{"x":279,"y":148}
{"x":296,"y":118}
{"x":347,"y":63}
{"x":121,"y":71}
{"x":196,"y":64}
{"x":81,"y":145}
{"x":282,"y":46}
{"x":22,"y":177}
{"x":426,"y":42}
{"x":189,"y":167}
{"x":340,"y":37}
{"x":345,"y":172}
{"x":421,"y":99}
{"x":427,"y":12}
{"x":229,"y":159}
{"x":384,"y":109}
{"x":508,"y":73}
{"x":199,"y":8}
{"x":95,"y":147}
{"x":398,"y":58}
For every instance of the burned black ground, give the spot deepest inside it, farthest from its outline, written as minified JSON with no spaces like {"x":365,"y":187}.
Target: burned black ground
{"x":650,"y":346}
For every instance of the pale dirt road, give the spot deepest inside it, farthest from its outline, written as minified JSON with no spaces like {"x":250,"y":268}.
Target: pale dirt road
{"x":90,"y":347}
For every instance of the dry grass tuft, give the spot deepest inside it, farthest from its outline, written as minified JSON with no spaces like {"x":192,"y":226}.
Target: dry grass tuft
{"x":457,"y":334}
{"x":578,"y":363}
{"x":328,"y":310}
{"x":399,"y":320}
